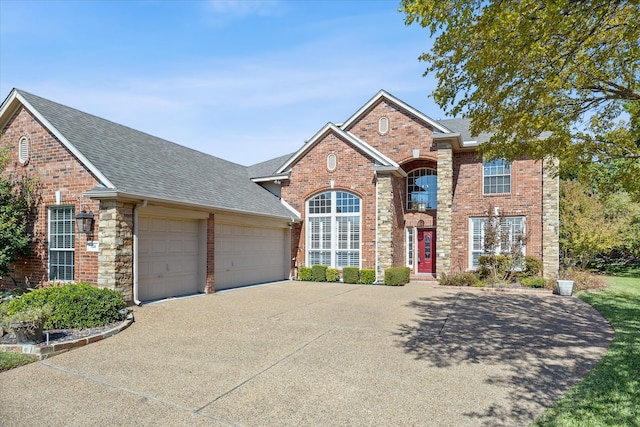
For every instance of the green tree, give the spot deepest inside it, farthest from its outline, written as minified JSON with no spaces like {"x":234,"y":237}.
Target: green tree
{"x":545,"y":78}
{"x":17,"y":200}
{"x":589,"y":226}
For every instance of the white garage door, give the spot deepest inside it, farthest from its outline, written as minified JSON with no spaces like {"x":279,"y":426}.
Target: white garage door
{"x":168,"y":257}
{"x":246,"y":255}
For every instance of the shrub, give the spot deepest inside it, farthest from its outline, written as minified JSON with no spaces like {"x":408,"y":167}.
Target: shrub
{"x":367,"y":277}
{"x":350,"y":274}
{"x":304,"y":273}
{"x":493,"y":266}
{"x":319,"y":273}
{"x":73,"y":305}
{"x":397,"y":276}
{"x":466,"y":278}
{"x":532,"y":266}
{"x":584,"y":281}
{"x":533,"y":282}
{"x":333,"y":275}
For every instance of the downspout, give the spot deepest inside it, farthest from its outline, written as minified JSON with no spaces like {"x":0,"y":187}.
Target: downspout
{"x":136,"y":300}
{"x":375,"y":175}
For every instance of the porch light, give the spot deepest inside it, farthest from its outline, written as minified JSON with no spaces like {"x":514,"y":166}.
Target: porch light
{"x":84,"y":222}
{"x":422,"y":206}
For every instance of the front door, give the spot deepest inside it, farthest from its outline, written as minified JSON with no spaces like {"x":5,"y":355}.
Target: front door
{"x":426,"y":250}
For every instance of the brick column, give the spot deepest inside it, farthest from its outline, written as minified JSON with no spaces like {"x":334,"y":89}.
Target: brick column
{"x":550,"y":219}
{"x":444,"y":237}
{"x":384,"y":252}
{"x":115,"y":256}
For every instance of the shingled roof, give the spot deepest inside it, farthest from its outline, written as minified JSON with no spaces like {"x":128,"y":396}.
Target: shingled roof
{"x":140,"y":165}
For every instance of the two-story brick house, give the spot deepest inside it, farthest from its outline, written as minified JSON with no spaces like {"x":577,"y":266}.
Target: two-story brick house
{"x":393,"y":187}
{"x":388,"y":187}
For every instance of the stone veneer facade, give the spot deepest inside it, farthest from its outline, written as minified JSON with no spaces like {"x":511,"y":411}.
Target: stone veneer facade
{"x":550,"y":219}
{"x":444,"y":214}
{"x":115,"y":260}
{"x":385,"y":224}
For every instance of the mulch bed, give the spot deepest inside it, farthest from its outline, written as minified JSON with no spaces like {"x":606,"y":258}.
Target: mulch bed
{"x":63,"y":335}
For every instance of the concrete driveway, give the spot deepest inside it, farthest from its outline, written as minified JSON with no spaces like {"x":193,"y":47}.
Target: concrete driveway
{"x":299,"y":353}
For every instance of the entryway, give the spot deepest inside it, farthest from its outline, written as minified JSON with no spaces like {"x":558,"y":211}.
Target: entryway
{"x":426,"y":250}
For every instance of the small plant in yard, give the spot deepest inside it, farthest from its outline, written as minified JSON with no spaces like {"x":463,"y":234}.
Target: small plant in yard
{"x":350,"y":274}
{"x":13,"y":360}
{"x":304,"y":274}
{"x":397,"y":276}
{"x":461,"y":279}
{"x":319,"y":273}
{"x":73,"y":306}
{"x":367,"y":277}
{"x":533,"y":282}
{"x":333,"y":275}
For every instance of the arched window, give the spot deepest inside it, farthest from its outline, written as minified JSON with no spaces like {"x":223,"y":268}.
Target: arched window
{"x":422,"y":189}
{"x":23,"y":149}
{"x":333,"y":230}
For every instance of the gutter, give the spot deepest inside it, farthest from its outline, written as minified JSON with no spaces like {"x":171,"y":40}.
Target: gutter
{"x":136,"y":299}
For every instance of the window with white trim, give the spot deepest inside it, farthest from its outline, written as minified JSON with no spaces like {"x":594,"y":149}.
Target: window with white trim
{"x":23,"y":149}
{"x":333,"y":230}
{"x":61,"y":243}
{"x":422,"y":189}
{"x":512,"y":233}
{"x":497,"y":177}
{"x":410,"y":249}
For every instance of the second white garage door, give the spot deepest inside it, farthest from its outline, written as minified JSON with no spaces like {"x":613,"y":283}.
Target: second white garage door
{"x":246,"y":255}
{"x":169,"y":257}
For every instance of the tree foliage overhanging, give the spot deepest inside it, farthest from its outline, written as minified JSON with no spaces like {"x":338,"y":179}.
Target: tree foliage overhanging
{"x":546,"y":78}
{"x":17,"y":199}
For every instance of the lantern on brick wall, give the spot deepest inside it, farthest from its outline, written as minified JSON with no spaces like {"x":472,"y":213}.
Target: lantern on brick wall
{"x":84,"y":222}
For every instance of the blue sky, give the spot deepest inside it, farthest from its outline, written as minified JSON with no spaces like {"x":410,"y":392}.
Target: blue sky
{"x":246,"y":81}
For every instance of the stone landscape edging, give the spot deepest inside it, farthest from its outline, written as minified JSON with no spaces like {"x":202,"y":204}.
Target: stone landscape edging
{"x":43,"y":351}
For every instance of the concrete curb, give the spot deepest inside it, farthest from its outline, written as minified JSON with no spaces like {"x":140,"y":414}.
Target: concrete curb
{"x":43,"y":351}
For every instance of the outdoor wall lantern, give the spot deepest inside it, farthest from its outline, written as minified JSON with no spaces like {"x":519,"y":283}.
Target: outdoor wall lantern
{"x":84,"y":222}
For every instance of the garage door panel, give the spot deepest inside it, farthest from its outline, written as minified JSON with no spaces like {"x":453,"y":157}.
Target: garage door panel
{"x":248,"y":255}
{"x":168,"y":252}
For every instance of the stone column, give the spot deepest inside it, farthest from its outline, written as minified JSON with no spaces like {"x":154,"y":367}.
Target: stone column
{"x":444,"y":237}
{"x":384,"y":251}
{"x":115,"y":257}
{"x":550,"y":219}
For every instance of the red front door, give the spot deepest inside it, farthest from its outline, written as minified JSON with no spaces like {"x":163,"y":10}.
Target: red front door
{"x":426,"y":250}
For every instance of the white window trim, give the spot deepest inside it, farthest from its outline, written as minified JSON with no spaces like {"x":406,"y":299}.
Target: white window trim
{"x":499,"y":249}
{"x":510,"y":175}
{"x":410,"y":246}
{"x":333,"y":215}
{"x":50,"y":249}
{"x":410,"y":204}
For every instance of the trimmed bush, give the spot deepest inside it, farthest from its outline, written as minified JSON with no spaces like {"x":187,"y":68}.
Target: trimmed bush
{"x":533,"y":282}
{"x":461,"y":279}
{"x":333,"y":275}
{"x":304,"y":274}
{"x":532,"y":266}
{"x":397,"y":276}
{"x":494,"y":266}
{"x":319,"y":273}
{"x":350,"y":274}
{"x":77,"y":306}
{"x":367,"y":277}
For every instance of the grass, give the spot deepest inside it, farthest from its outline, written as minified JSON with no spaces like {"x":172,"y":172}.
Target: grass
{"x":610,"y":394}
{"x":13,"y":360}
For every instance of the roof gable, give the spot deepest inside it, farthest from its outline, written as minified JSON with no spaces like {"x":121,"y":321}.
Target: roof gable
{"x":351,"y":139}
{"x":401,"y":105}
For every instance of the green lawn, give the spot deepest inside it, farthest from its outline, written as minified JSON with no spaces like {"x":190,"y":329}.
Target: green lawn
{"x":610,"y":394}
{"x":13,"y":360}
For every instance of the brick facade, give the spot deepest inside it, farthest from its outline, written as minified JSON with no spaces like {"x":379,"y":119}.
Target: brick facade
{"x":409,"y":142}
{"x":56,"y":170}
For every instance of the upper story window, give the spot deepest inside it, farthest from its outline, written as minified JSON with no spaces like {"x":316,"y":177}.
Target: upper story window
{"x":333,"y":230}
{"x":422,"y":189}
{"x":497,"y":177}
{"x":23,"y":149}
{"x":383,"y":125}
